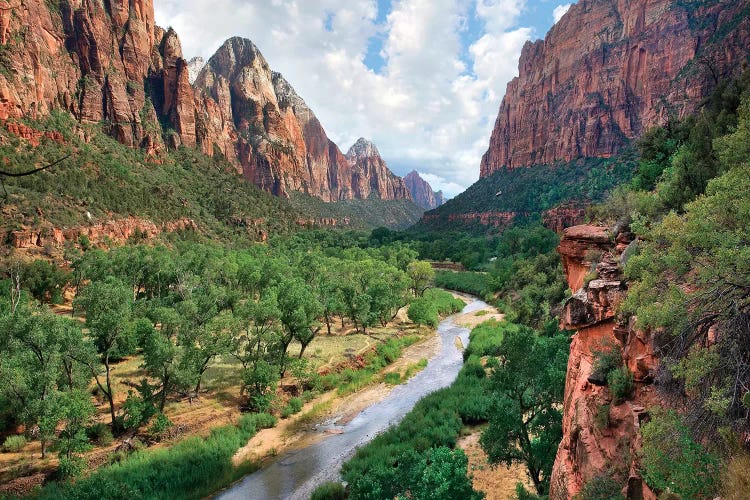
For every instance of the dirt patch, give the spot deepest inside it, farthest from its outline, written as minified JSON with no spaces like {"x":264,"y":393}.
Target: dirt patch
{"x":498,"y":483}
{"x":475,"y":318}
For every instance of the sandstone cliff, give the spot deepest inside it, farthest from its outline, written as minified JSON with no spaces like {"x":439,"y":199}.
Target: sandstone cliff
{"x":107,"y":62}
{"x":600,"y":436}
{"x":422,"y":192}
{"x":370,"y":174}
{"x":609,"y":70}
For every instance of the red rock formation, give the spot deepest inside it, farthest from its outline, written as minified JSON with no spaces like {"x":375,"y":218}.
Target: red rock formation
{"x":96,"y":60}
{"x":258,"y":121}
{"x":422,"y":192}
{"x":371,"y":176}
{"x":559,"y":218}
{"x":607,"y":71}
{"x":116,"y":231}
{"x":599,"y":436}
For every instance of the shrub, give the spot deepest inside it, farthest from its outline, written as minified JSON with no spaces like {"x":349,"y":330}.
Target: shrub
{"x":14,"y":444}
{"x":423,"y":312}
{"x":71,"y":467}
{"x":607,"y":358}
{"x":159,"y":425}
{"x":602,"y":487}
{"x":602,"y":417}
{"x":329,"y":491}
{"x":293,"y":406}
{"x":620,"y":384}
{"x":673,"y":461}
{"x":100,"y":434}
{"x":392,"y":378}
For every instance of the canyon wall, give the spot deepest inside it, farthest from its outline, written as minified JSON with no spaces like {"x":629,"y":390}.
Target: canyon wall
{"x":422,"y":192}
{"x":601,"y":437}
{"x":107,"y":62}
{"x":609,"y":70}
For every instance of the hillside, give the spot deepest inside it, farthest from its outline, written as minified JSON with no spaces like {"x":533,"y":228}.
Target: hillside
{"x":109,"y":64}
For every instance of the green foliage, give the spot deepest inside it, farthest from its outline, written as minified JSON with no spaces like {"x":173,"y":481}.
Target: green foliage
{"x":485,"y":339}
{"x":329,"y":491}
{"x":533,"y":190}
{"x":294,"y":406}
{"x":427,"y":309}
{"x":421,"y":276}
{"x":620,"y":382}
{"x":359,"y":214}
{"x":392,"y":378}
{"x":71,"y":468}
{"x":44,"y":280}
{"x":159,"y":425}
{"x":527,"y":389}
{"x":607,"y":359}
{"x":601,"y":487}
{"x":193,"y":468}
{"x":673,"y":461}
{"x":100,"y":434}
{"x":14,"y":444}
{"x":467,"y":282}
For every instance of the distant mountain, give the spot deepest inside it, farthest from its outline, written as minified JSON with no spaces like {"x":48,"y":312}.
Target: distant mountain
{"x":422,"y":192}
{"x":370,"y":174}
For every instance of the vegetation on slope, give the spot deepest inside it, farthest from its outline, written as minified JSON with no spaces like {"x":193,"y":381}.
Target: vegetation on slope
{"x":529,"y":191}
{"x":359,"y":214}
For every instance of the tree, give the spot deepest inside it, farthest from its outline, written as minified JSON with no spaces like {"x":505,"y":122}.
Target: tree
{"x":300,"y":311}
{"x":421,"y":275}
{"x":527,"y":389}
{"x":108,"y":307}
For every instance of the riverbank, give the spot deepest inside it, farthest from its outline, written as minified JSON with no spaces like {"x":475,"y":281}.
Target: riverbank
{"x":305,"y":464}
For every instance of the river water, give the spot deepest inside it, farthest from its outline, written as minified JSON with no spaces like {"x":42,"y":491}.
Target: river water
{"x":294,"y":475}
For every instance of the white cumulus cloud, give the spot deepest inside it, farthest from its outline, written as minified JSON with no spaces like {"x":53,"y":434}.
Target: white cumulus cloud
{"x":560,"y":11}
{"x":433,"y":104}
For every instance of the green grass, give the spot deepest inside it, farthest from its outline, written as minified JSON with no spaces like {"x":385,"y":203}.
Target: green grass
{"x":193,"y":468}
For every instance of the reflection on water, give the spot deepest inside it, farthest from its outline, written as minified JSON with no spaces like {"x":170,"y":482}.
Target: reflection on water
{"x":294,"y":475}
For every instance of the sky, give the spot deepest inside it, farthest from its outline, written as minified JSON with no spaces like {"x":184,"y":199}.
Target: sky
{"x":422,"y":79}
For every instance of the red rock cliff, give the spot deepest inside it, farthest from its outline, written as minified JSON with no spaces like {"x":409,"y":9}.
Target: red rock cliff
{"x":106,"y":61}
{"x":257,"y":120}
{"x":600,"y":436}
{"x":609,"y":70}
{"x":422,"y":192}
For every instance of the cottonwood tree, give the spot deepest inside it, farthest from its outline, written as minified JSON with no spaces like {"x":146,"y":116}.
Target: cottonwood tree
{"x":527,"y":388}
{"x":300,"y":310}
{"x":421,"y":275}
{"x":108,"y":306}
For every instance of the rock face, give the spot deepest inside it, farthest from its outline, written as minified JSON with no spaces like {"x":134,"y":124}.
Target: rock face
{"x":106,"y":61}
{"x":422,"y":192}
{"x":275,"y":139}
{"x":600,"y":436}
{"x":371,"y":176}
{"x":609,"y":70}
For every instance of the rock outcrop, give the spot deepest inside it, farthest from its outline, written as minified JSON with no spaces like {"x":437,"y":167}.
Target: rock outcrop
{"x":422,"y":192}
{"x":106,"y":61}
{"x":600,"y":436}
{"x":607,"y":71}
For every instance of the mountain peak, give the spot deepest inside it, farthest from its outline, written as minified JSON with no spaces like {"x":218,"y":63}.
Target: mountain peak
{"x":362,"y":149}
{"x":422,"y":192}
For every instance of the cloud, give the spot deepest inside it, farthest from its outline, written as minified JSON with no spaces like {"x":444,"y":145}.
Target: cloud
{"x":560,"y":11}
{"x":432,"y":104}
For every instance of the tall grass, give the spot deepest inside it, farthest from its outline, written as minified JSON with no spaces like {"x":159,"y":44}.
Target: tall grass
{"x":192,"y":469}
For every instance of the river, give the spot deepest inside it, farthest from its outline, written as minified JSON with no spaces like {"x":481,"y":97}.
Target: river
{"x":295,"y":474}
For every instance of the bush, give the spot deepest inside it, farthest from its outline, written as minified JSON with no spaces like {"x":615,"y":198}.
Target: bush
{"x":392,"y":378}
{"x":159,"y":425}
{"x":673,"y":461}
{"x":293,"y":406}
{"x":620,"y":384}
{"x":423,"y":312}
{"x":486,"y":338}
{"x":329,"y":491}
{"x":71,"y":468}
{"x":14,"y":444}
{"x":602,"y":487}
{"x":427,"y":309}
{"x":100,"y":434}
{"x":607,"y":358}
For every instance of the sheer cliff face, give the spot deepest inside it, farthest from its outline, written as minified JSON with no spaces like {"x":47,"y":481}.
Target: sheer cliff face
{"x":95,"y":59}
{"x":106,"y":61}
{"x":609,"y":70}
{"x":371,"y":176}
{"x":422,"y":192}
{"x":255,"y":117}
